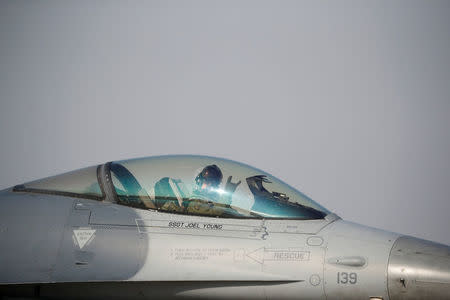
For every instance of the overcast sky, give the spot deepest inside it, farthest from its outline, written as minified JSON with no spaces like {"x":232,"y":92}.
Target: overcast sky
{"x":347,"y":101}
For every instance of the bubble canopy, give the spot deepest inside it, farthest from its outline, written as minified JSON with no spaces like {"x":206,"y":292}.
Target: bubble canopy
{"x":184,"y":184}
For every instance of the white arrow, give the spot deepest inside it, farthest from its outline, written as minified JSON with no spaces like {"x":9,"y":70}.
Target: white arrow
{"x":261,"y":255}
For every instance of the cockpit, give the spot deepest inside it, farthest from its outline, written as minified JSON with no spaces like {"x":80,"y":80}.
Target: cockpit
{"x":181,"y":184}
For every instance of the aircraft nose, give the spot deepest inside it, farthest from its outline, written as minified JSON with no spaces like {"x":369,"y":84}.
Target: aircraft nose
{"x":418,"y":269}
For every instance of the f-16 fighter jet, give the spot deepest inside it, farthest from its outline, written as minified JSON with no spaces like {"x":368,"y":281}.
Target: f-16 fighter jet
{"x":174,"y":227}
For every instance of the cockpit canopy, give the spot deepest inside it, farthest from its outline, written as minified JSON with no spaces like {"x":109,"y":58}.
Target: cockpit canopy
{"x":193,"y":185}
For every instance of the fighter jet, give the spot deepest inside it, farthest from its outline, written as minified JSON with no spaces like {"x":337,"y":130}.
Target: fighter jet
{"x":174,"y":227}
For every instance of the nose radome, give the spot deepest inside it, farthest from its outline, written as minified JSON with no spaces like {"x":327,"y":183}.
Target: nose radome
{"x":418,"y":269}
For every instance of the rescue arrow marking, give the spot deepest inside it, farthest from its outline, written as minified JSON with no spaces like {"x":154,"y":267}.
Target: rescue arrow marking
{"x":261,"y":255}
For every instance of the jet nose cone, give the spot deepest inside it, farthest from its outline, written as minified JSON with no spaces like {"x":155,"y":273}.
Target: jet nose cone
{"x":418,"y":269}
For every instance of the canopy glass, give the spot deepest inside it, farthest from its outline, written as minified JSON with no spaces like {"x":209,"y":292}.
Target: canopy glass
{"x":184,"y":184}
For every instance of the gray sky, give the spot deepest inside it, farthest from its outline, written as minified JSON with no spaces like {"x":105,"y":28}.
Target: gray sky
{"x":347,"y":101}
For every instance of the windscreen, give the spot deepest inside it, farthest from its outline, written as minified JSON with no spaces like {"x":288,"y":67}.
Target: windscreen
{"x":207,"y":186}
{"x":82,"y":182}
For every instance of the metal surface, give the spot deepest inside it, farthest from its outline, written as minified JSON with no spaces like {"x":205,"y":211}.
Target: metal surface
{"x":31,"y":230}
{"x":356,"y":261}
{"x":244,"y":290}
{"x":63,"y":247}
{"x":419,"y":269}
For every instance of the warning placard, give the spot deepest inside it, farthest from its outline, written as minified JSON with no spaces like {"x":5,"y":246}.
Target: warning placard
{"x":83,"y":236}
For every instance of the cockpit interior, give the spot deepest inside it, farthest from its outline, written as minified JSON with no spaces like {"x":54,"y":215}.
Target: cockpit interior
{"x":182,"y":184}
